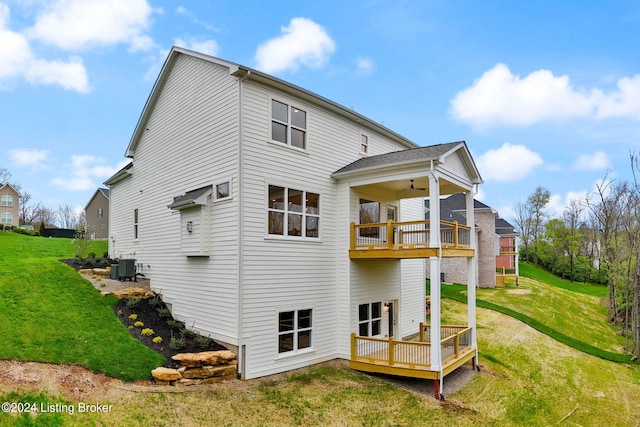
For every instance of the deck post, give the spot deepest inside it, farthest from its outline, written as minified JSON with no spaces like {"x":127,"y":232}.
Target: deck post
{"x":352,"y":236}
{"x":434,"y":242}
{"x":455,"y":234}
{"x":392,"y":351}
{"x":354,"y":349}
{"x":471,"y":269}
{"x":390,"y":234}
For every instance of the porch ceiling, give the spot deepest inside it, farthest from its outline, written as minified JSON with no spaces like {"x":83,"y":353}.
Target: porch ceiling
{"x":401,"y":188}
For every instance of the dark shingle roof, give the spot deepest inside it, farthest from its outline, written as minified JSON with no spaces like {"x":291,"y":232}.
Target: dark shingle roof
{"x":503,"y":227}
{"x":189,"y":197}
{"x":431,"y":152}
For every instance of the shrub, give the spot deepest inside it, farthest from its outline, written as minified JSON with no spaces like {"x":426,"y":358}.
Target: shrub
{"x":177,"y":343}
{"x":164,"y":313}
{"x":138,"y":324}
{"x":155,"y":302}
{"x":157,"y":340}
{"x":147,"y":332}
{"x":203,"y":342}
{"x":187,"y":333}
{"x":175,"y":325}
{"x":1,"y":227}
{"x":133,"y":316}
{"x":132,"y":302}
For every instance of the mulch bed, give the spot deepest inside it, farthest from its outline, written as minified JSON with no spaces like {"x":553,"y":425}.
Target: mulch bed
{"x":148,"y":311}
{"x":151,"y":317}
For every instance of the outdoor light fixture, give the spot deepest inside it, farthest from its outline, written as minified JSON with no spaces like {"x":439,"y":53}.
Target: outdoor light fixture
{"x":189,"y":226}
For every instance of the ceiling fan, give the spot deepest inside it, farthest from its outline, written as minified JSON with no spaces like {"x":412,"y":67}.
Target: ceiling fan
{"x":412,"y":187}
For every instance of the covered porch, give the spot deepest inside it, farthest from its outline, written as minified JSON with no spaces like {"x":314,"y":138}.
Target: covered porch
{"x":413,"y":358}
{"x":387,"y":221}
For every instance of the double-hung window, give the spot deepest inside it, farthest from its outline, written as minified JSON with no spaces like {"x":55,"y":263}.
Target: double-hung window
{"x":370,"y":319}
{"x":7,"y":218}
{"x":288,"y":124}
{"x":293,"y":213}
{"x":6,"y":200}
{"x":294,"y":330}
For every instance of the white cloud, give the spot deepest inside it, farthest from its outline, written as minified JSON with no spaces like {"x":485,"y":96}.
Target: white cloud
{"x":625,"y":102}
{"x":500,"y":97}
{"x":508,"y":163}
{"x":87,"y":172}
{"x":364,"y":66}
{"x":34,"y":158}
{"x":17,"y":61}
{"x":77,"y":24}
{"x":302,"y":43}
{"x":592,"y":162}
{"x":209,"y":47}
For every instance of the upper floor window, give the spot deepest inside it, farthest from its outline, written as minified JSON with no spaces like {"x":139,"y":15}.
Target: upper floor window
{"x":7,"y":200}
{"x":7,"y":218}
{"x":100,"y":212}
{"x":135,"y":223}
{"x":293,"y":212}
{"x":364,"y":144}
{"x":288,"y":124}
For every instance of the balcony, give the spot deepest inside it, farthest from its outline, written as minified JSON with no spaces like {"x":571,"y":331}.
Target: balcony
{"x":398,"y":240}
{"x":413,"y":358}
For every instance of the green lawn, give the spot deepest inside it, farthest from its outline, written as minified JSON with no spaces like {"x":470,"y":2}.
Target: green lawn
{"x":577,"y":318}
{"x":49,"y":313}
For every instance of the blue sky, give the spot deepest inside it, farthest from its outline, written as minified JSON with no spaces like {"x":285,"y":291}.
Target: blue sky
{"x":544,"y":92}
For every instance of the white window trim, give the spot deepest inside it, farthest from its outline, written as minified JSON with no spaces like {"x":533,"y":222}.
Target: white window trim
{"x":371,"y":319}
{"x":366,"y":151}
{"x":4,"y":215}
{"x":6,"y":200}
{"x":285,"y":225}
{"x":296,"y":351}
{"x":136,"y":224}
{"x":290,"y":103}
{"x":214,"y":194}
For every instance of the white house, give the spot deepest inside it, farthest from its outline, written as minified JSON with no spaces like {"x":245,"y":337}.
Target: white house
{"x":244,"y":203}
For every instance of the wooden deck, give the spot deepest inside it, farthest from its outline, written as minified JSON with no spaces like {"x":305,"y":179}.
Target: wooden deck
{"x":401,"y":240}
{"x":412,"y":358}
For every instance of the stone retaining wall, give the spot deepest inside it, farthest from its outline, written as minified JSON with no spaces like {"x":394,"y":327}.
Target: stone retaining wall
{"x":206,"y":367}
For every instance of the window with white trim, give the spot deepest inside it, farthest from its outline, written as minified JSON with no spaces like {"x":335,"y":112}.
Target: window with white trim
{"x":100,"y":212}
{"x":135,"y":223}
{"x":364,"y":144}
{"x":293,"y":213}
{"x":295,"y":330}
{"x":370,"y":319}
{"x":7,"y":218}
{"x":6,"y":200}
{"x":223,"y":190}
{"x":288,"y":124}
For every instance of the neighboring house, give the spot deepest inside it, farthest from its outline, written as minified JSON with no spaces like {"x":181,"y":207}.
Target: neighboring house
{"x":97,"y":215}
{"x":269,"y":218}
{"x":497,"y":254}
{"x":9,"y":205}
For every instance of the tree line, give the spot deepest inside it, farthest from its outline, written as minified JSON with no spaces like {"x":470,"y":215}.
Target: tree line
{"x":35,"y":213}
{"x":594,"y":239}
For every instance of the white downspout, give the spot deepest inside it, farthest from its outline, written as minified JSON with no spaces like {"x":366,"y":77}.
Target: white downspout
{"x":241,"y":350}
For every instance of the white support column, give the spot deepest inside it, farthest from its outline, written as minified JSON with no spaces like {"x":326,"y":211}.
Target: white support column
{"x":471,"y":268}
{"x":434,"y":242}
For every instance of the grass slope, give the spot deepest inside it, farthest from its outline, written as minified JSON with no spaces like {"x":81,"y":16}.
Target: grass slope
{"x":49,"y":313}
{"x":573,"y":314}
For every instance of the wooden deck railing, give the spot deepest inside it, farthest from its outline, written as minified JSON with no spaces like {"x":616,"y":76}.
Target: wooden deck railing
{"x":413,"y":354}
{"x":407,"y":235}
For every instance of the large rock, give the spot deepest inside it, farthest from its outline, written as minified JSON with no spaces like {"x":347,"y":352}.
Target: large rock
{"x":166,"y":374}
{"x":210,"y":371}
{"x":205,"y":358}
{"x":133,"y":293}
{"x":104,"y":272}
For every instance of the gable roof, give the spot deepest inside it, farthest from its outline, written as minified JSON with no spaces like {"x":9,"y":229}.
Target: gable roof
{"x":8,"y":185}
{"x":103,"y":191}
{"x":431,"y":152}
{"x":191,"y":198}
{"x":242,"y":72}
{"x":457,"y":202}
{"x":123,"y":173}
{"x":504,"y":228}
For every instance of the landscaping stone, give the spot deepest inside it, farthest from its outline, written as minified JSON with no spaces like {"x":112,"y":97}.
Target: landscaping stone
{"x":105,"y":272}
{"x":165,"y":374}
{"x":205,"y":358}
{"x":209,"y":371}
{"x":133,"y":293}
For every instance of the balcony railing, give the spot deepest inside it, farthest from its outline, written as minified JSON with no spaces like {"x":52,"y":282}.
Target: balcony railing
{"x":407,"y":235}
{"x":455,"y":341}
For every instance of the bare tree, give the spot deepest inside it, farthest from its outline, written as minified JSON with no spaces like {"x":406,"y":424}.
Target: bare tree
{"x":572,"y":217}
{"x":46,"y":216}
{"x":67,"y":217}
{"x":523,"y":224}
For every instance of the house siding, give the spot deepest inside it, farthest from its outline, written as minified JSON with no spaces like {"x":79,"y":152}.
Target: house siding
{"x":7,"y":190}
{"x":98,"y":226}
{"x":190,"y":141}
